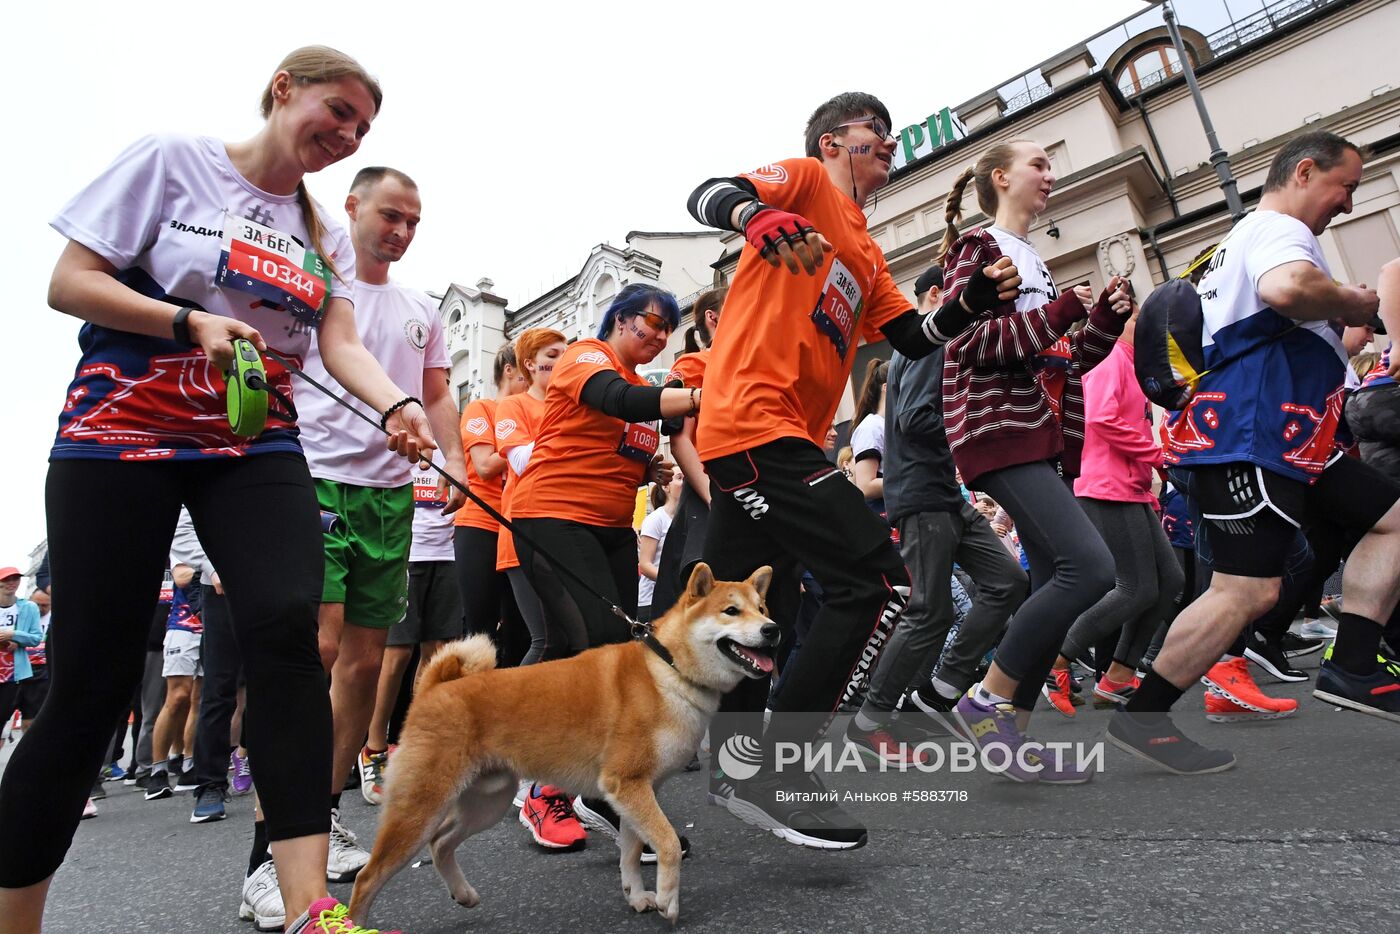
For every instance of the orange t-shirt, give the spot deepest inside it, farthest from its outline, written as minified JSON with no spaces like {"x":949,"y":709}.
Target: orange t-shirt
{"x":517,"y":420}
{"x":479,"y":427}
{"x":586,"y":466}
{"x":689,"y":369}
{"x":783,"y":376}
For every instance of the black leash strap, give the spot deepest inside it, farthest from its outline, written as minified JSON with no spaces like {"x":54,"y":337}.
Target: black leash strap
{"x":639,"y":630}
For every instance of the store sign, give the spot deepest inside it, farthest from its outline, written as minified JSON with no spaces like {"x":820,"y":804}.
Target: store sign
{"x":921,"y":139}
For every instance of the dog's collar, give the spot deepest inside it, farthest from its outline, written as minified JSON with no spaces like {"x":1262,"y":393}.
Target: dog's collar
{"x":650,"y":641}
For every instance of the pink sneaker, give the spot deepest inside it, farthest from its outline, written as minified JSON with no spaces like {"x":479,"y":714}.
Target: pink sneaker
{"x":328,"y":916}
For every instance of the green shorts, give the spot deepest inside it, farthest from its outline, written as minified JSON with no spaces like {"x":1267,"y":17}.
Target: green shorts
{"x":367,"y":551}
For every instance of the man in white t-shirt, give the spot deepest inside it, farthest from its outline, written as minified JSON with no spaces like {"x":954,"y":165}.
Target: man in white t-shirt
{"x":365,"y":491}
{"x":1257,"y":440}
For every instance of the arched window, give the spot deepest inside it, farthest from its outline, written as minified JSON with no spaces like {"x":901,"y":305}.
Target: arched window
{"x":604,"y":291}
{"x":1148,"y":66}
{"x":1149,"y":58}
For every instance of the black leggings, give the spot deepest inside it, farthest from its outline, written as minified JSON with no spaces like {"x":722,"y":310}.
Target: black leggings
{"x":1071,"y":569}
{"x":110,"y":524}
{"x":605,"y":557}
{"x":488,"y":604}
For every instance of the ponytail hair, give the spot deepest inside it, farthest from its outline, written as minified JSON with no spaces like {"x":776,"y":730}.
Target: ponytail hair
{"x":504,"y":357}
{"x":659,"y":497}
{"x":692,"y":340}
{"x":877,"y":371}
{"x":713,"y":300}
{"x":317,"y":64}
{"x":999,"y":156}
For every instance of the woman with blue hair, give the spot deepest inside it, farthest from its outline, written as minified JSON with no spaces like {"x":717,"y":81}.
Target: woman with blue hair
{"x":598,"y":440}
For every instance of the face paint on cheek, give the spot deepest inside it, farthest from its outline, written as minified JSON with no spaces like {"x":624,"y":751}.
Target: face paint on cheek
{"x":638,"y":332}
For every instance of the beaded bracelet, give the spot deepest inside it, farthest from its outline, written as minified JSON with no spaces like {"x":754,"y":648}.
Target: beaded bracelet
{"x":384,"y":419}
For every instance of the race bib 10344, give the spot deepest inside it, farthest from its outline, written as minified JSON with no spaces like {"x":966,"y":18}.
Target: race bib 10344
{"x":273,"y":266}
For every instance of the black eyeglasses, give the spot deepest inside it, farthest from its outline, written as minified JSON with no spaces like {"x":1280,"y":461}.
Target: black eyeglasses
{"x":877,"y":126}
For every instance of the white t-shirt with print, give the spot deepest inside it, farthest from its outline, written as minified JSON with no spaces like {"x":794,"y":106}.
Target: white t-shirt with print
{"x":401,"y":329}
{"x":655,"y":525}
{"x":1037,"y":288}
{"x":432,"y":531}
{"x":158,"y":214}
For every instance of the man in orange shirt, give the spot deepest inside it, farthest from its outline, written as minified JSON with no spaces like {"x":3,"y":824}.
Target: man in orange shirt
{"x":811,"y":284}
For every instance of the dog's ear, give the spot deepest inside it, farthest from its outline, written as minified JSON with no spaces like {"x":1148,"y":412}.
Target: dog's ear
{"x":760,"y":580}
{"x":702,"y":581}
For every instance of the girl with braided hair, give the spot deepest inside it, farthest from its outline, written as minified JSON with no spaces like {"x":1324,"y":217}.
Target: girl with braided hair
{"x":1014,"y":410}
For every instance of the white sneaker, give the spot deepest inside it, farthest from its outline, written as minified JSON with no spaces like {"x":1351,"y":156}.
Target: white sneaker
{"x":89,"y":809}
{"x":1316,"y":629}
{"x":346,"y":857}
{"x":262,"y":899}
{"x":371,"y":766}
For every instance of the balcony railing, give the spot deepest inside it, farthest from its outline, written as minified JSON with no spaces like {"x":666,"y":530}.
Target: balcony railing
{"x":1223,"y":29}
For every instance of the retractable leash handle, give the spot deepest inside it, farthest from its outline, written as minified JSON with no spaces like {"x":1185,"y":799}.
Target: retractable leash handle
{"x":247,"y":394}
{"x":248,"y":391}
{"x":638,"y":630}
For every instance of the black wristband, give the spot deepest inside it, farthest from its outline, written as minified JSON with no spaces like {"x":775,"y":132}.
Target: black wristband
{"x":180,"y":327}
{"x":747,"y":212}
{"x":384,"y":419}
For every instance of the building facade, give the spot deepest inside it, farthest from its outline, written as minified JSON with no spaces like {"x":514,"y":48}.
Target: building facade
{"x":478,"y":322}
{"x":1136,"y":193}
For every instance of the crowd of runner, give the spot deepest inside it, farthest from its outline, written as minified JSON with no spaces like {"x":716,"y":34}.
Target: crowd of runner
{"x":1007,"y":529}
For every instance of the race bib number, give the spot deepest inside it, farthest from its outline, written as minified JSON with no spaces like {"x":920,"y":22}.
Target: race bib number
{"x":640,"y":441}
{"x":839,"y":307}
{"x":272,"y":266}
{"x":426,"y":495}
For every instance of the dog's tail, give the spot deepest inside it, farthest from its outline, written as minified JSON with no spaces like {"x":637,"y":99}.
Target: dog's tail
{"x":457,"y":660}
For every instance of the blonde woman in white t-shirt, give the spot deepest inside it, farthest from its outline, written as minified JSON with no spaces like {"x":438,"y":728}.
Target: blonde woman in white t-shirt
{"x":180,"y":246}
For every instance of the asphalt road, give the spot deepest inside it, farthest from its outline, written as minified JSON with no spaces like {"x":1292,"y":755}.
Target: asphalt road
{"x":1302,"y":835}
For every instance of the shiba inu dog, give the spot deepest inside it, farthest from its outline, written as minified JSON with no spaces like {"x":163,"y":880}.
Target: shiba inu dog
{"x":611,"y":722}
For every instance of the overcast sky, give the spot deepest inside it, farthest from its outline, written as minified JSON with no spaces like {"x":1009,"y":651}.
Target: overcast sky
{"x":535,"y":131}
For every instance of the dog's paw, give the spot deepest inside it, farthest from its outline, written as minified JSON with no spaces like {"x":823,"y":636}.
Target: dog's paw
{"x":466,"y":896}
{"x":642,"y":900}
{"x":670,"y":908}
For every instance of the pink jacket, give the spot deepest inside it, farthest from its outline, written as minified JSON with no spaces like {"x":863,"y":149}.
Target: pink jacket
{"x":1119,"y":450}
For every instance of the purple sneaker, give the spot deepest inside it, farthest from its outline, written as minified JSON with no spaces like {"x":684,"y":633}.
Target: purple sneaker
{"x":242,"y":773}
{"x":1002,"y":747}
{"x":1059,"y":766}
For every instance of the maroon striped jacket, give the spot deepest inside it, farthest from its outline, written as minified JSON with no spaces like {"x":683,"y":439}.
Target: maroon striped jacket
{"x":994,"y":408}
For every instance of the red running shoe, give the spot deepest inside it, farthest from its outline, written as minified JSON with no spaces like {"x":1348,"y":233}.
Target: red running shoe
{"x":549,"y":816}
{"x":1061,"y":696}
{"x":1220,"y":709}
{"x":878,"y":744}
{"x":1233,"y":681}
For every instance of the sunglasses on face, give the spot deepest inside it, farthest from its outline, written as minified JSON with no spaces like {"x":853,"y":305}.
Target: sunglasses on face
{"x":877,"y":126}
{"x":655,"y":321}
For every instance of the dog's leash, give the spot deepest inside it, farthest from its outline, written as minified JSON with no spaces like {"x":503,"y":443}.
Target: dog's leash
{"x":639,"y":630}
